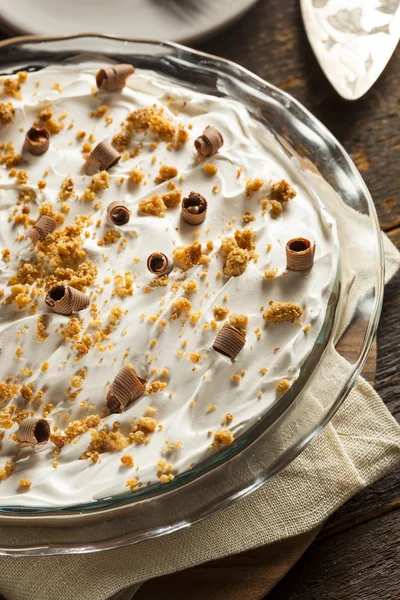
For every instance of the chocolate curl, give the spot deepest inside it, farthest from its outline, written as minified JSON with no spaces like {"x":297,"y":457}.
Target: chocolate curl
{"x":43,"y":227}
{"x":209,"y":143}
{"x":194,"y":208}
{"x":66,"y":300}
{"x":118,"y":213}
{"x":102,"y":157}
{"x":159,"y":264}
{"x":37,"y":141}
{"x":229,"y":341}
{"x":114,"y":78}
{"x":33,"y":432}
{"x":299,"y":254}
{"x":125,"y":389}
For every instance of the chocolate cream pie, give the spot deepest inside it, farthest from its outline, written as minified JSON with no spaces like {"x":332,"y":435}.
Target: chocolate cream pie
{"x":164,"y":274}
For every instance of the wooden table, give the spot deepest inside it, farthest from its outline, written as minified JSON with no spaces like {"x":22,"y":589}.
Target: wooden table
{"x":357,"y":554}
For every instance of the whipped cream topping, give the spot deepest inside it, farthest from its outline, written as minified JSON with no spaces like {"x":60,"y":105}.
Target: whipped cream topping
{"x":193,"y":405}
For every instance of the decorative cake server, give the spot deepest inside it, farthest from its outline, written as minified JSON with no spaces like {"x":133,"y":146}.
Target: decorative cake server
{"x":353,"y":40}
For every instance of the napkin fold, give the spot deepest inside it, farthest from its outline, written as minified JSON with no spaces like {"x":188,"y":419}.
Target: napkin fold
{"x":360,"y":445}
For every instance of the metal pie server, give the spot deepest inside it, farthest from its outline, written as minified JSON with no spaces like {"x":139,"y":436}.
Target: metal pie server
{"x":353,"y":40}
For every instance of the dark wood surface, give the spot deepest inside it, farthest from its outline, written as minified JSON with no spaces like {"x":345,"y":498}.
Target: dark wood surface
{"x":356,"y":555}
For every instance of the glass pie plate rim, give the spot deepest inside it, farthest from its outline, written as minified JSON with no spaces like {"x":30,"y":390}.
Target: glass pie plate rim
{"x":127,"y":508}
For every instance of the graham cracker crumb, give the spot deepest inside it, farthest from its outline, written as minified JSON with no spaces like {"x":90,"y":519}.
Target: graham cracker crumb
{"x":220,"y":312}
{"x":279,"y":312}
{"x":155,"y":387}
{"x":7,"y":112}
{"x":236,"y":262}
{"x":282,"y":386}
{"x":253,"y":185}
{"x":127,"y":460}
{"x":100,"y":111}
{"x":152,"y":206}
{"x":25,"y":484}
{"x":186,"y":257}
{"x":248,"y":217}
{"x":172,"y":199}
{"x":210,"y":169}
{"x":282,"y":191}
{"x":195,"y":357}
{"x":195,"y":316}
{"x":245,"y":239}
{"x":165,"y":173}
{"x":270,"y":273}
{"x":238,"y":320}
{"x":182,"y":305}
{"x":136,"y":175}
{"x":133,"y":484}
{"x":223,"y":438}
{"x":276,"y":209}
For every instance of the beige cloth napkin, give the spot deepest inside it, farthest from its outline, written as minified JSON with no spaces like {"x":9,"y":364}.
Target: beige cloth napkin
{"x":360,"y":445}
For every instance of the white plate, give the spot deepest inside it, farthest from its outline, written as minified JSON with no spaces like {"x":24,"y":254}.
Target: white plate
{"x":175,"y":20}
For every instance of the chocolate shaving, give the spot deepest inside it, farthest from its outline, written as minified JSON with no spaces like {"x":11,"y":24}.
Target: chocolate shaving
{"x":125,"y":389}
{"x":299,"y":254}
{"x":229,"y":341}
{"x":37,"y":141}
{"x":118,"y":213}
{"x":113,"y":78}
{"x":194,"y":208}
{"x":209,"y":143}
{"x":159,"y":264}
{"x":43,"y":227}
{"x":33,"y":432}
{"x":66,"y":300}
{"x":102,"y":157}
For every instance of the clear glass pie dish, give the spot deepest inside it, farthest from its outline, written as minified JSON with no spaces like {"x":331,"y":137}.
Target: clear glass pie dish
{"x":350,"y":324}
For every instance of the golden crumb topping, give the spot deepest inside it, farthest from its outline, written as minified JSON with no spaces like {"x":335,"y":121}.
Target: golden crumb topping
{"x":7,"y":112}
{"x":8,"y":155}
{"x":154,"y":387}
{"x":153,"y":206}
{"x":220,"y":312}
{"x":165,"y":173}
{"x":238,"y":320}
{"x":51,"y":123}
{"x":136,"y":175}
{"x":248,"y":217}
{"x":25,"y":484}
{"x":245,"y":239}
{"x":253,"y":185}
{"x":223,"y":438}
{"x":127,"y":460}
{"x":186,"y":257}
{"x":172,"y":198}
{"x":12,"y":86}
{"x":210,"y":169}
{"x":282,"y":191}
{"x":182,"y":305}
{"x":279,"y":312}
{"x":195,"y":357}
{"x":236,"y":262}
{"x":282,"y":386}
{"x":270,"y":273}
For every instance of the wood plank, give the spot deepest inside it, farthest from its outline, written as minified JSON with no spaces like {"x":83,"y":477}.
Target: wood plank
{"x":359,"y":564}
{"x":241,"y":576}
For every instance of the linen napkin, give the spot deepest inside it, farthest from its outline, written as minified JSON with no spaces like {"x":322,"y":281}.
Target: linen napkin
{"x":360,"y":445}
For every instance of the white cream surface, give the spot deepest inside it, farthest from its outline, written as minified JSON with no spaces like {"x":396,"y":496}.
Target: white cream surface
{"x":182,"y":408}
